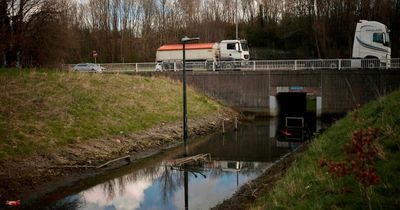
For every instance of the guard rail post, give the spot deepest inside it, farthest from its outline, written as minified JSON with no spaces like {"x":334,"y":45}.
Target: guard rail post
{"x":387,"y":63}
{"x":213,"y":65}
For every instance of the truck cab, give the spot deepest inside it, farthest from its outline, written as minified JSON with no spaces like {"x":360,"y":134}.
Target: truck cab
{"x":231,"y":50}
{"x":371,"y":41}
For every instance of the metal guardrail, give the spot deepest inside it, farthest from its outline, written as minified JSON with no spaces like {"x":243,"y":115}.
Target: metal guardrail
{"x":256,"y":65}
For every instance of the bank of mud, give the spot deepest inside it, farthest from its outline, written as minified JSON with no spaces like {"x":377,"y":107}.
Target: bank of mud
{"x":247,"y":195}
{"x":22,"y":178}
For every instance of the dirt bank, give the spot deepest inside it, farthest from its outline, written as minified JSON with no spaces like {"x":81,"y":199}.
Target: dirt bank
{"x":20,"y":178}
{"x":246,"y":196}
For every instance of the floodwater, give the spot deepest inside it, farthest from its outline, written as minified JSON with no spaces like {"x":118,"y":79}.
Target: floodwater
{"x":236,"y":158}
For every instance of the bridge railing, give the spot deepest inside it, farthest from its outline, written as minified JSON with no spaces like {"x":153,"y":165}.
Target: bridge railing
{"x":257,"y":65}
{"x":129,"y":67}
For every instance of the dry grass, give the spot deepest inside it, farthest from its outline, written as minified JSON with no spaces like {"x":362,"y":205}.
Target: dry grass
{"x":40,"y":109}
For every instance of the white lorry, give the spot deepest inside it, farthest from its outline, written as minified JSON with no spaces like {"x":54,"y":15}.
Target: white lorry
{"x":372,"y":44}
{"x":371,"y":49}
{"x":215,"y":55}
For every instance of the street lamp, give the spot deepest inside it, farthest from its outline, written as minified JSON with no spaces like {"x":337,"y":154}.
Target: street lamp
{"x":184,"y":40}
{"x":237,"y":20}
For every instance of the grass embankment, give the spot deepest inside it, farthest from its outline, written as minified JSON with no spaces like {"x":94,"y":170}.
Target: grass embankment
{"x":40,"y":110}
{"x":309,"y":186}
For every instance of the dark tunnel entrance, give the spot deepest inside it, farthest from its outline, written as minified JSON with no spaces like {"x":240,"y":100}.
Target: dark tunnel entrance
{"x":292,"y":104}
{"x":297,"y":120}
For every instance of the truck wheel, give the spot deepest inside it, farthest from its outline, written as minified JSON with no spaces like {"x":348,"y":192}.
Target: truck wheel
{"x":370,"y":64}
{"x":210,"y":67}
{"x":374,"y":64}
{"x":228,"y":66}
{"x":166,"y":67}
{"x":333,"y":66}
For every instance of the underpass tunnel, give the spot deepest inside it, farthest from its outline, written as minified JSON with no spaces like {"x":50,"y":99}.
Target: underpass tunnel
{"x":301,"y":109}
{"x":292,"y":104}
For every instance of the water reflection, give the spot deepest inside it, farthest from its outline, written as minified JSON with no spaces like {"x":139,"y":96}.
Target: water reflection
{"x":186,"y":189}
{"x":163,"y":188}
{"x":236,"y":158}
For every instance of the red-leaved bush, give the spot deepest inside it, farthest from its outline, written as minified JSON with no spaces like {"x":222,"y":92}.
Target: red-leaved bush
{"x":360,"y":162}
{"x":361,"y":154}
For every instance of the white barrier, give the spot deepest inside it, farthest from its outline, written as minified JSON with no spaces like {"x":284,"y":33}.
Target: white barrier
{"x":256,"y":65}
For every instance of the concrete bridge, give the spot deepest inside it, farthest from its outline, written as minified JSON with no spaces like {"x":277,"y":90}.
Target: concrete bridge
{"x":268,"y":92}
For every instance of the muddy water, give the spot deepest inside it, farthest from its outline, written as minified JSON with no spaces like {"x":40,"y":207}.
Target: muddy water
{"x":236,"y":158}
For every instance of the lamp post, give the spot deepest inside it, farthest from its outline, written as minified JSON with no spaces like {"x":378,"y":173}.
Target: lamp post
{"x":237,"y":20}
{"x":184,"y":40}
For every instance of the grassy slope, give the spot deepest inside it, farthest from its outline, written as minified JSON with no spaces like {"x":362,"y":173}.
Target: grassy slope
{"x":307,"y":186}
{"x":40,"y":110}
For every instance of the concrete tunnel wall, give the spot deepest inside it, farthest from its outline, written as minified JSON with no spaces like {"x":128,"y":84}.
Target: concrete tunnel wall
{"x":255,"y":91}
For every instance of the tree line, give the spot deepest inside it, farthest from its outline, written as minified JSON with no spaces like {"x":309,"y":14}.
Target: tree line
{"x":51,"y":32}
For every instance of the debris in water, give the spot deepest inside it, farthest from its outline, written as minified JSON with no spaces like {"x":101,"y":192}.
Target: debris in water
{"x":13,"y":203}
{"x":189,"y":160}
{"x":286,"y":133}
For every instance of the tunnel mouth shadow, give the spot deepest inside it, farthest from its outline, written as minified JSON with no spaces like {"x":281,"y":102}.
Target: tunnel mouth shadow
{"x":297,"y":115}
{"x":292,"y":104}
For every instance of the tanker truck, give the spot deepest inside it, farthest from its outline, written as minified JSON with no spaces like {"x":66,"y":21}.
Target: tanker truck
{"x":224,"y":55}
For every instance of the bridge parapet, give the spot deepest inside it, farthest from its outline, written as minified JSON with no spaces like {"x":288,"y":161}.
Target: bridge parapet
{"x":254,"y":65}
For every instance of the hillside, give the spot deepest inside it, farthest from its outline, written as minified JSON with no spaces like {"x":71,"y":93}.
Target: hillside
{"x":41,"y":110}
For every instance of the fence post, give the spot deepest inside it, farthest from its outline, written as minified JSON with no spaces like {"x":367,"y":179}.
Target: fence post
{"x":136,"y":67}
{"x":254,"y":65}
{"x":295,"y":65}
{"x":340,"y":64}
{"x":236,"y":123}
{"x":223,"y":126}
{"x":387,"y":63}
{"x":174,"y":66}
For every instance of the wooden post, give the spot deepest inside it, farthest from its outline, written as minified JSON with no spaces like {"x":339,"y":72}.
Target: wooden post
{"x":236,"y":124}
{"x":223,"y":126}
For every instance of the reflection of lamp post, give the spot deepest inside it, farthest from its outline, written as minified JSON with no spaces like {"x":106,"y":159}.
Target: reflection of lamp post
{"x":186,"y":178}
{"x":184,"y":40}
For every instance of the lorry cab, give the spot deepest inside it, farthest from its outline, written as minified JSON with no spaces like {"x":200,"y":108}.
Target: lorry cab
{"x":234,"y":50}
{"x":371,"y":41}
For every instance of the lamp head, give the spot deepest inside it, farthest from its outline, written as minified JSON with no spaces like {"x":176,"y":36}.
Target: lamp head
{"x":187,"y":39}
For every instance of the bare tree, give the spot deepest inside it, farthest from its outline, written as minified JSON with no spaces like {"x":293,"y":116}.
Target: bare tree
{"x":46,"y":32}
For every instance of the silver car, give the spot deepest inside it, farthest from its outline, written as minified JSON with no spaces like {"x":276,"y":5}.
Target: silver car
{"x":89,"y":67}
